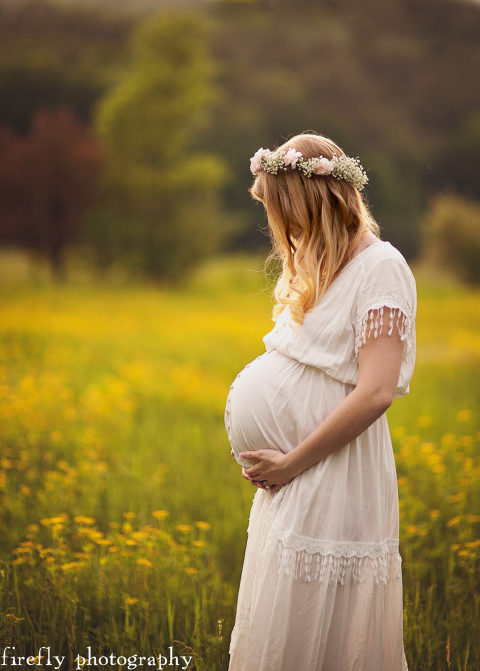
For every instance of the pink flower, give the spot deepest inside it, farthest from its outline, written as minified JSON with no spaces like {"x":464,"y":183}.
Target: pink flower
{"x":291,"y":157}
{"x":256,"y":160}
{"x":324,"y":166}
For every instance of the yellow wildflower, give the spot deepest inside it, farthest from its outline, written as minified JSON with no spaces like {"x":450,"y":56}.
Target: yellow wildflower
{"x":464,"y":415}
{"x":70,"y":565}
{"x":448,"y":440}
{"x":139,"y":534}
{"x":454,"y":498}
{"x":439,"y":468}
{"x":160,"y":514}
{"x":50,"y":521}
{"x":455,"y":520}
{"x":80,"y":519}
{"x":144,"y":562}
{"x":22,"y":550}
{"x":427,"y":448}
{"x":44,"y":551}
{"x":203,"y":525}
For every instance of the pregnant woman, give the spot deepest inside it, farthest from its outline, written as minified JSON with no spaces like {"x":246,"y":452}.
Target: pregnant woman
{"x":321,"y":585}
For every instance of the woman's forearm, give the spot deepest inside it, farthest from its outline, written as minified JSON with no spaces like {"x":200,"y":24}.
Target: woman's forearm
{"x":349,"y":419}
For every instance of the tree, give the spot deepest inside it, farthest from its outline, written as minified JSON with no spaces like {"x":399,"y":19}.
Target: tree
{"x":451,"y":235}
{"x":162,"y":195}
{"x":47,"y":180}
{"x":72,"y":54}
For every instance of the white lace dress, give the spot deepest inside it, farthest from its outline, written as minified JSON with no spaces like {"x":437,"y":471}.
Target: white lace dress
{"x":321,"y":585}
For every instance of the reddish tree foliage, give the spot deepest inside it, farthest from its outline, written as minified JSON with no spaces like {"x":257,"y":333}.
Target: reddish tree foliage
{"x":47,"y":180}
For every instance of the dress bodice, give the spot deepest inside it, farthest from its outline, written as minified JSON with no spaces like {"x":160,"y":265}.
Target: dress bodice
{"x":375,"y":290}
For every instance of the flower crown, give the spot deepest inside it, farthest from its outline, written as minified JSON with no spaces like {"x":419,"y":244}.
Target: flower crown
{"x":341,"y":167}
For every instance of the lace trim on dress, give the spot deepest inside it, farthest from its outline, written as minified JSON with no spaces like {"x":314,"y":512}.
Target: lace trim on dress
{"x":307,"y":558}
{"x":370,"y":323}
{"x":335,"y":561}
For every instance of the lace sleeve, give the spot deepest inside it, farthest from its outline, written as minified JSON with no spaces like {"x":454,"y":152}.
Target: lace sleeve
{"x":386,"y":304}
{"x":383,"y":320}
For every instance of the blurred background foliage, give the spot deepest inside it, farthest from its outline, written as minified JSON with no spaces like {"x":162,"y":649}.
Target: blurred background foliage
{"x":177,"y":97}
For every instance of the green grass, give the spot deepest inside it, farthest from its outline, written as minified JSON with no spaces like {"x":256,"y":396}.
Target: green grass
{"x":112,"y":399}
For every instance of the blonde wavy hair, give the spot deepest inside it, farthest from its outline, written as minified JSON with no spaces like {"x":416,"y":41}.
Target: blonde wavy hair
{"x":315,"y":223}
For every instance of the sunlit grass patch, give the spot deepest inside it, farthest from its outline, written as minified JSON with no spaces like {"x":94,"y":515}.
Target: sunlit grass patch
{"x":123,"y":515}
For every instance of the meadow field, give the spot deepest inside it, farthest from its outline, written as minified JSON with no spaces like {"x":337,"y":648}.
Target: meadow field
{"x":123,"y":516}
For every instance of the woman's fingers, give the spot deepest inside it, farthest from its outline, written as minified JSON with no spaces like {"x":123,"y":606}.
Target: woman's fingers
{"x":254,"y":475}
{"x":253,"y":471}
{"x":247,"y":477}
{"x":255,"y":454}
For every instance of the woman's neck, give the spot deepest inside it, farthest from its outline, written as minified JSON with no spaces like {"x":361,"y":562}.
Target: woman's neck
{"x":367,"y":239}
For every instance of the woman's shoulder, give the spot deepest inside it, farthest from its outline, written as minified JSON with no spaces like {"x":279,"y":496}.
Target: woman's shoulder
{"x":386,"y":275}
{"x":382,"y":249}
{"x":381,"y":256}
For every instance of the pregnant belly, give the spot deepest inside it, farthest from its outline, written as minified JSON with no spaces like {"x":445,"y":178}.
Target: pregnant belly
{"x":275,"y":402}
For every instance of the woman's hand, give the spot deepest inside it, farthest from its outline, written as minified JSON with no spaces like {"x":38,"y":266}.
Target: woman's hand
{"x":271,"y":469}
